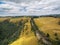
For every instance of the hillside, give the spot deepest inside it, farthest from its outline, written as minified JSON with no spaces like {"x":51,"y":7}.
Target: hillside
{"x":29,"y":31}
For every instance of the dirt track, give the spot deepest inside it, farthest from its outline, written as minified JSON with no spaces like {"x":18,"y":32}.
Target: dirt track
{"x":39,"y":34}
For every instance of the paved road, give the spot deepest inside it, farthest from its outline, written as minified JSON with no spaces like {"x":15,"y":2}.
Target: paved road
{"x":39,"y":34}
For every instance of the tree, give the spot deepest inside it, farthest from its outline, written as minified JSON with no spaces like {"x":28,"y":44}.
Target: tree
{"x":48,"y":35}
{"x":59,"y":22}
{"x":55,"y":34}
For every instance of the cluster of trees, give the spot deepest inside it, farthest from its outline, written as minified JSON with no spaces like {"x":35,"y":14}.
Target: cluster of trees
{"x":51,"y":15}
{"x":10,"y":31}
{"x":56,"y":41}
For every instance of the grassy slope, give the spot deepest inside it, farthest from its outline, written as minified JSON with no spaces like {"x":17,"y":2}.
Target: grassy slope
{"x":49,"y":25}
{"x":26,"y":37}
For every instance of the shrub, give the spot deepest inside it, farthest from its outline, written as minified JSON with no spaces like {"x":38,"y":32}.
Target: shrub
{"x":55,"y":34}
{"x":48,"y":35}
{"x":59,"y":23}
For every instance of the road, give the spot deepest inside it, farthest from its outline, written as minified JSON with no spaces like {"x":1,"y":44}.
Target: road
{"x":39,"y":34}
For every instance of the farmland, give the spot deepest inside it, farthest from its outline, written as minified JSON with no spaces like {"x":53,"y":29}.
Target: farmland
{"x":23,"y":30}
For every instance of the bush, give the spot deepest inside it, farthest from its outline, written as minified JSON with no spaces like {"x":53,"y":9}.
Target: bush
{"x":59,"y":23}
{"x":55,"y":34}
{"x":48,"y":35}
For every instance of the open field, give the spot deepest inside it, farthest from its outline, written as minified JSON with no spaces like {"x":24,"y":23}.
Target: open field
{"x":49,"y":25}
{"x":22,"y":30}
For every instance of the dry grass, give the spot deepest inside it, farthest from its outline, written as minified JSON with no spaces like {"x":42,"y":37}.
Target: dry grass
{"x":27,"y":37}
{"x":49,"y":25}
{"x":46,"y":24}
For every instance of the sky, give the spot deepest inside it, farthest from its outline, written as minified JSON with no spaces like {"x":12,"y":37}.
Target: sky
{"x":29,"y":7}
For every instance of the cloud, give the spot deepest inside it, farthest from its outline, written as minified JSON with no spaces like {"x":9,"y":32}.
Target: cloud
{"x":9,"y":8}
{"x":41,"y":7}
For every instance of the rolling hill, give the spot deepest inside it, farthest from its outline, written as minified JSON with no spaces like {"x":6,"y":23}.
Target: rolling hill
{"x":29,"y":31}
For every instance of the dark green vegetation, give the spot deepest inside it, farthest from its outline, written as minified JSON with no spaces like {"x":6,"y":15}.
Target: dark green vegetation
{"x":9,"y":31}
{"x":51,"y":15}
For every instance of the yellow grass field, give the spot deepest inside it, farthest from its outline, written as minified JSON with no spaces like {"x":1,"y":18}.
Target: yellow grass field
{"x":49,"y":25}
{"x":27,"y":37}
{"x":23,"y":32}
